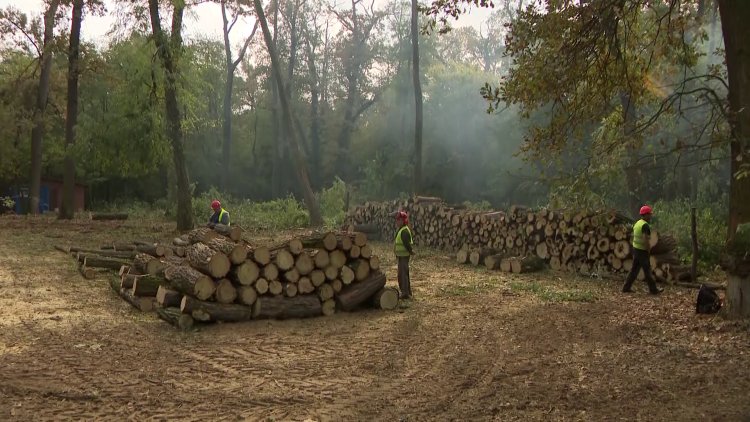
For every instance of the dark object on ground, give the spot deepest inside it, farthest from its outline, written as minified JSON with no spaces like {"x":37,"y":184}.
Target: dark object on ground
{"x":708,"y":301}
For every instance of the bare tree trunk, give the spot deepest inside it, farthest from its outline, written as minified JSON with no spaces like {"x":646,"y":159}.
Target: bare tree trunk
{"x":417,"y":182}
{"x":228,"y":89}
{"x":314,"y":116}
{"x":277,"y":172}
{"x":37,"y":133}
{"x":299,"y":162}
{"x":169,"y":53}
{"x":632,"y":174}
{"x":67,"y":210}
{"x":736,"y":40}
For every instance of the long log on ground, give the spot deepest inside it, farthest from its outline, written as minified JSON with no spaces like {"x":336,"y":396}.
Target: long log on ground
{"x":167,"y":297}
{"x":527,"y":264}
{"x":152,"y":249}
{"x":190,"y":281}
{"x":147,"y":285}
{"x":217,"y":311}
{"x":385,"y":299}
{"x":355,"y":294}
{"x":281,"y":307}
{"x":145,"y":304}
{"x":175,"y":317}
{"x":207,"y":260}
{"x":147,"y":264}
{"x":119,"y":246}
{"x":101,"y":262}
{"x":105,"y":253}
{"x":232,"y":232}
{"x":108,"y":216}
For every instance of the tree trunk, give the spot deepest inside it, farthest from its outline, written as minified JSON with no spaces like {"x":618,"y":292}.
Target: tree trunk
{"x":174,"y":316}
{"x":190,"y":282}
{"x":736,"y":41}
{"x":281,"y":307}
{"x":299,"y":162}
{"x":37,"y":133}
{"x":169,"y":54}
{"x":67,"y":210}
{"x":417,"y":98}
{"x":734,"y":16}
{"x":355,"y":294}
{"x":217,"y":311}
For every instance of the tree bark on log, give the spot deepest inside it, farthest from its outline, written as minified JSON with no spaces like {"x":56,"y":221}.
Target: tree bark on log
{"x":281,"y":307}
{"x":147,"y":285}
{"x":100,"y":262}
{"x":355,"y":294}
{"x":232,"y":232}
{"x":207,"y":260}
{"x":168,"y":298}
{"x":175,"y":317}
{"x":217,"y":311}
{"x":190,"y":282}
{"x":236,"y":253}
{"x":147,"y":264}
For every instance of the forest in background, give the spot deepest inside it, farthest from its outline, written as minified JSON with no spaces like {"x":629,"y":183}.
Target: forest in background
{"x":600,"y":104}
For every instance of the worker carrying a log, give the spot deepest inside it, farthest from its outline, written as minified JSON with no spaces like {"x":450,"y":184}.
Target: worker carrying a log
{"x":404,"y":249}
{"x":641,"y":253}
{"x":219,"y":216}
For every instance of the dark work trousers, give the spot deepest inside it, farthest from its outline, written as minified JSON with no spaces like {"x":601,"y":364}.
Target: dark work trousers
{"x":640,"y":261}
{"x":403,"y":276}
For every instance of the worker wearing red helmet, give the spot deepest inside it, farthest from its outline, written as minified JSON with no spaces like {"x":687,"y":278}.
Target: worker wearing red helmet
{"x":219,"y":216}
{"x":404,"y":249}
{"x":641,"y":253}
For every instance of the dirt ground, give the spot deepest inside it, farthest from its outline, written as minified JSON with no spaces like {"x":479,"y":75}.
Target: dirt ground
{"x":472,"y":346}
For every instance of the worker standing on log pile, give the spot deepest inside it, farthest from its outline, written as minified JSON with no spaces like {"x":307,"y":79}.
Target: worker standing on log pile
{"x":220,"y":215}
{"x":403,"y":249}
{"x":641,"y":253}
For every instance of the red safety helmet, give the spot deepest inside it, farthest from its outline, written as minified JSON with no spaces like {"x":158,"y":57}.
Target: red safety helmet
{"x":215,"y":204}
{"x":403,"y":216}
{"x":646,"y":210}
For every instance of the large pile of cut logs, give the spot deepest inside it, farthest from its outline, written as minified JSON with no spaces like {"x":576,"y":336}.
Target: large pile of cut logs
{"x":205,"y":276}
{"x":521,"y":239}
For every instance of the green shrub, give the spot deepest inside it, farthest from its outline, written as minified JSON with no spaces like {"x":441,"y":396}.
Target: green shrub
{"x":711,"y":221}
{"x":332,"y":203}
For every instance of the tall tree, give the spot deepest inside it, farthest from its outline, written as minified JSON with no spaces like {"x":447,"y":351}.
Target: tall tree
{"x":417,"y":182}
{"x":37,"y":133}
{"x":734,"y":16}
{"x":232,"y":64}
{"x":300,"y":167}
{"x":71,"y":118}
{"x":169,"y":53}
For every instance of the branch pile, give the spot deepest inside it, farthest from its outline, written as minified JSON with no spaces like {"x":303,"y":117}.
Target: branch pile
{"x":521,"y":239}
{"x":207,"y":276}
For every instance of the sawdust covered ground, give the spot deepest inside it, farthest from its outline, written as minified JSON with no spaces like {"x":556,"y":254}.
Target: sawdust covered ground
{"x":472,"y":346}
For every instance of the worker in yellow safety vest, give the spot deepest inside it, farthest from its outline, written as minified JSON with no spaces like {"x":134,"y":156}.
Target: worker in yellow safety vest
{"x":641,"y":253}
{"x":219,"y":216}
{"x":403,"y":248}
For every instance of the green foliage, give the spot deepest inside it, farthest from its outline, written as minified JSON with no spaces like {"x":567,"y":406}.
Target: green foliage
{"x":551,"y":294}
{"x":673,"y":217}
{"x":6,"y":203}
{"x":332,"y":203}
